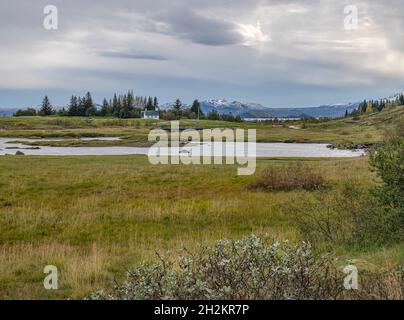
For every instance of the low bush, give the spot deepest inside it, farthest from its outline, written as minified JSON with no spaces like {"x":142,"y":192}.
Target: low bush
{"x":253,"y":269}
{"x":289,"y":178}
{"x":249,"y":268}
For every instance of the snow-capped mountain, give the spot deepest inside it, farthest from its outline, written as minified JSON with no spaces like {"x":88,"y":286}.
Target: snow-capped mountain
{"x":394,"y":97}
{"x":324,"y":111}
{"x":236,"y":108}
{"x":256,"y":110}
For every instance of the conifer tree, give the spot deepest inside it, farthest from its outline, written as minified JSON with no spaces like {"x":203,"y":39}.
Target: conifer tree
{"x":149,"y":104}
{"x":115,"y":106}
{"x":196,"y":107}
{"x":73,"y":106}
{"x":177,"y":105}
{"x":105,"y":109}
{"x":46,"y":108}
{"x":401,"y":99}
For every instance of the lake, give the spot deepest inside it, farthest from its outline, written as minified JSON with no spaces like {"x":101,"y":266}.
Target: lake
{"x":309,"y":150}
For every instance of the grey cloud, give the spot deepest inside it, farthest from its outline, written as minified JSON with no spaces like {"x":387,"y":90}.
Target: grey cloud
{"x":198,"y":41}
{"x":193,"y":26}
{"x":133,"y":55}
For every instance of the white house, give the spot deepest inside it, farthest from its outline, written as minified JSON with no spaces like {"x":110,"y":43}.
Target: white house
{"x":150,"y":114}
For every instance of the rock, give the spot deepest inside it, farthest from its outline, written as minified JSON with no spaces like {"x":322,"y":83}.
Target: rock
{"x":19,"y":153}
{"x":353,"y":146}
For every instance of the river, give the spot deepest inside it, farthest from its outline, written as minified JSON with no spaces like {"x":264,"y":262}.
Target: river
{"x":308,"y":150}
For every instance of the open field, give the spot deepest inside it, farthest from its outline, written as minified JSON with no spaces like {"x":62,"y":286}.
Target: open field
{"x":367,"y":129}
{"x":95,"y":217}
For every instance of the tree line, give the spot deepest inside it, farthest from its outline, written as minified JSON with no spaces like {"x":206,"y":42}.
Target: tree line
{"x":121,"y":106}
{"x":373,"y":106}
{"x":125,"y":106}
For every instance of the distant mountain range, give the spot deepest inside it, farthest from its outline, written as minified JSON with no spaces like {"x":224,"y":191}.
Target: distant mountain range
{"x":5,"y":112}
{"x":255,"y":110}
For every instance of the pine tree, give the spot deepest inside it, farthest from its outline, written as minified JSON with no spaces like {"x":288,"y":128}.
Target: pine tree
{"x":81,"y":110}
{"x":364,"y":106}
{"x":89,"y":107}
{"x":105,"y":108}
{"x":401,"y":99}
{"x":130,"y":100}
{"x":177,"y":105}
{"x":73,"y":106}
{"x":177,"y":109}
{"x":115,"y":106}
{"x":196,"y":107}
{"x":119,"y":107}
{"x":124,"y":110}
{"x":150,"y":104}
{"x":46,"y":108}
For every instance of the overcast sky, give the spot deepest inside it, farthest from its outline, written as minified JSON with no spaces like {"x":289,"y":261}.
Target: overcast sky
{"x":278,"y":53}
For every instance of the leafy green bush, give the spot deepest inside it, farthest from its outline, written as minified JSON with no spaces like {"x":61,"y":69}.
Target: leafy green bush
{"x":389,"y":164}
{"x":353,"y":215}
{"x":29,"y":112}
{"x":349,"y":215}
{"x":249,"y":268}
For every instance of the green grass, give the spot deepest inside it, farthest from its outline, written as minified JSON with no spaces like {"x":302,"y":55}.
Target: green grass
{"x":95,"y":217}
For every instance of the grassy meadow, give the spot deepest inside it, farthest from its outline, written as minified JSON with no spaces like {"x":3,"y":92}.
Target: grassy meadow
{"x":94,"y":217}
{"x":366,"y":129}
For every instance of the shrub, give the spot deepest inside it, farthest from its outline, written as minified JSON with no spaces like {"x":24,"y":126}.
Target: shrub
{"x":389,"y":164}
{"x":353,"y":215}
{"x":29,"y":112}
{"x":249,"y":268}
{"x":349,"y":215}
{"x":289,"y":178}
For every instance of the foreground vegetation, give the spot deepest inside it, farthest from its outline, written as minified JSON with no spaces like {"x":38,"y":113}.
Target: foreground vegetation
{"x":251,"y":269}
{"x":96,"y":217}
{"x":235,"y":269}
